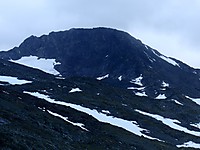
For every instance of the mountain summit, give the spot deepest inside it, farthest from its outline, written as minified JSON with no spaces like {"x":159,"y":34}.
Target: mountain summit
{"x":102,"y":51}
{"x":96,"y":89}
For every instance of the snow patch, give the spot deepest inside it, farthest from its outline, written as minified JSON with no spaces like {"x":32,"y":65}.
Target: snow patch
{"x":137,"y":80}
{"x":103,"y":77}
{"x":196,"y":125}
{"x":6,"y":92}
{"x":105,"y":111}
{"x":120,"y":78}
{"x":130,"y":126}
{"x":164,"y":84}
{"x":13,"y":80}
{"x":46,"y":65}
{"x":196,"y":100}
{"x":75,"y":90}
{"x":135,"y":88}
{"x":161,"y":96}
{"x":66,"y":119}
{"x":167,"y":59}
{"x":172,"y":123}
{"x":60,"y":78}
{"x":189,"y":144}
{"x":141,"y":94}
{"x":195,"y":72}
{"x":177,"y":102}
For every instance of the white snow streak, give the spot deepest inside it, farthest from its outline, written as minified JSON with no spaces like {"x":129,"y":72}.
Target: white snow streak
{"x":13,"y":80}
{"x":177,"y":102}
{"x":130,"y":126}
{"x":120,"y":78}
{"x":170,"y":123}
{"x":161,"y":96}
{"x":135,"y":88}
{"x":103,"y":77}
{"x":196,"y":100}
{"x":66,"y":119}
{"x":190,"y":144}
{"x":196,"y":125}
{"x":75,"y":90}
{"x":105,"y":112}
{"x":137,"y":80}
{"x":164,"y":84}
{"x":167,"y":59}
{"x":141,"y":94}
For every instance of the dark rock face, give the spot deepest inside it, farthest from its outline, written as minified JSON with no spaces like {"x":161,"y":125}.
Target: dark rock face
{"x":85,"y":54}
{"x":100,"y":51}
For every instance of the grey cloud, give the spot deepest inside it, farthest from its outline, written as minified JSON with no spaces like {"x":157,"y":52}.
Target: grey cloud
{"x":170,"y":25}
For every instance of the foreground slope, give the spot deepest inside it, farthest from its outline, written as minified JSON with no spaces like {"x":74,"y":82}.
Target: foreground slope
{"x":99,"y":88}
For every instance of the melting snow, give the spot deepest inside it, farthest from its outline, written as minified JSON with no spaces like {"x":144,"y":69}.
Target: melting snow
{"x":120,"y":78}
{"x":190,"y":144}
{"x":5,"y":92}
{"x":195,"y":72}
{"x":46,"y":65}
{"x":196,"y":125}
{"x":135,"y":88}
{"x":105,"y":112}
{"x":60,"y":78}
{"x":177,"y":102}
{"x":161,"y":96}
{"x":164,"y":84}
{"x":140,"y":94}
{"x":103,"y":77}
{"x":137,"y":80}
{"x":167,"y":59}
{"x":75,"y":90}
{"x":196,"y":100}
{"x":43,"y":109}
{"x":130,"y":126}
{"x":13,"y":80}
{"x":66,"y":119}
{"x":170,"y":123}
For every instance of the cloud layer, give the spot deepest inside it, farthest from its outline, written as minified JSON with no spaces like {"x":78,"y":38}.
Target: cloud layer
{"x":170,"y":26}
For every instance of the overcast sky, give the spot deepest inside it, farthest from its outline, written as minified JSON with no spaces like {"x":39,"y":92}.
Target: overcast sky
{"x":170,"y":26}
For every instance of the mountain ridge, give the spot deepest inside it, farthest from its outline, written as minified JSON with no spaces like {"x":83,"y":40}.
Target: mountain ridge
{"x":112,"y":92}
{"x":102,"y":51}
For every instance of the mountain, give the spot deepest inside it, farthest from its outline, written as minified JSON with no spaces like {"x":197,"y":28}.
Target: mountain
{"x":96,"y":89}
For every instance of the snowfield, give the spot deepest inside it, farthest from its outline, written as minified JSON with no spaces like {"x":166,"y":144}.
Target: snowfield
{"x":13,"y":80}
{"x":45,"y":65}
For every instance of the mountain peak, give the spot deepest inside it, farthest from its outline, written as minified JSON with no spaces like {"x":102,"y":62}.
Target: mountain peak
{"x":100,"y":51}
{"x":96,"y":88}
